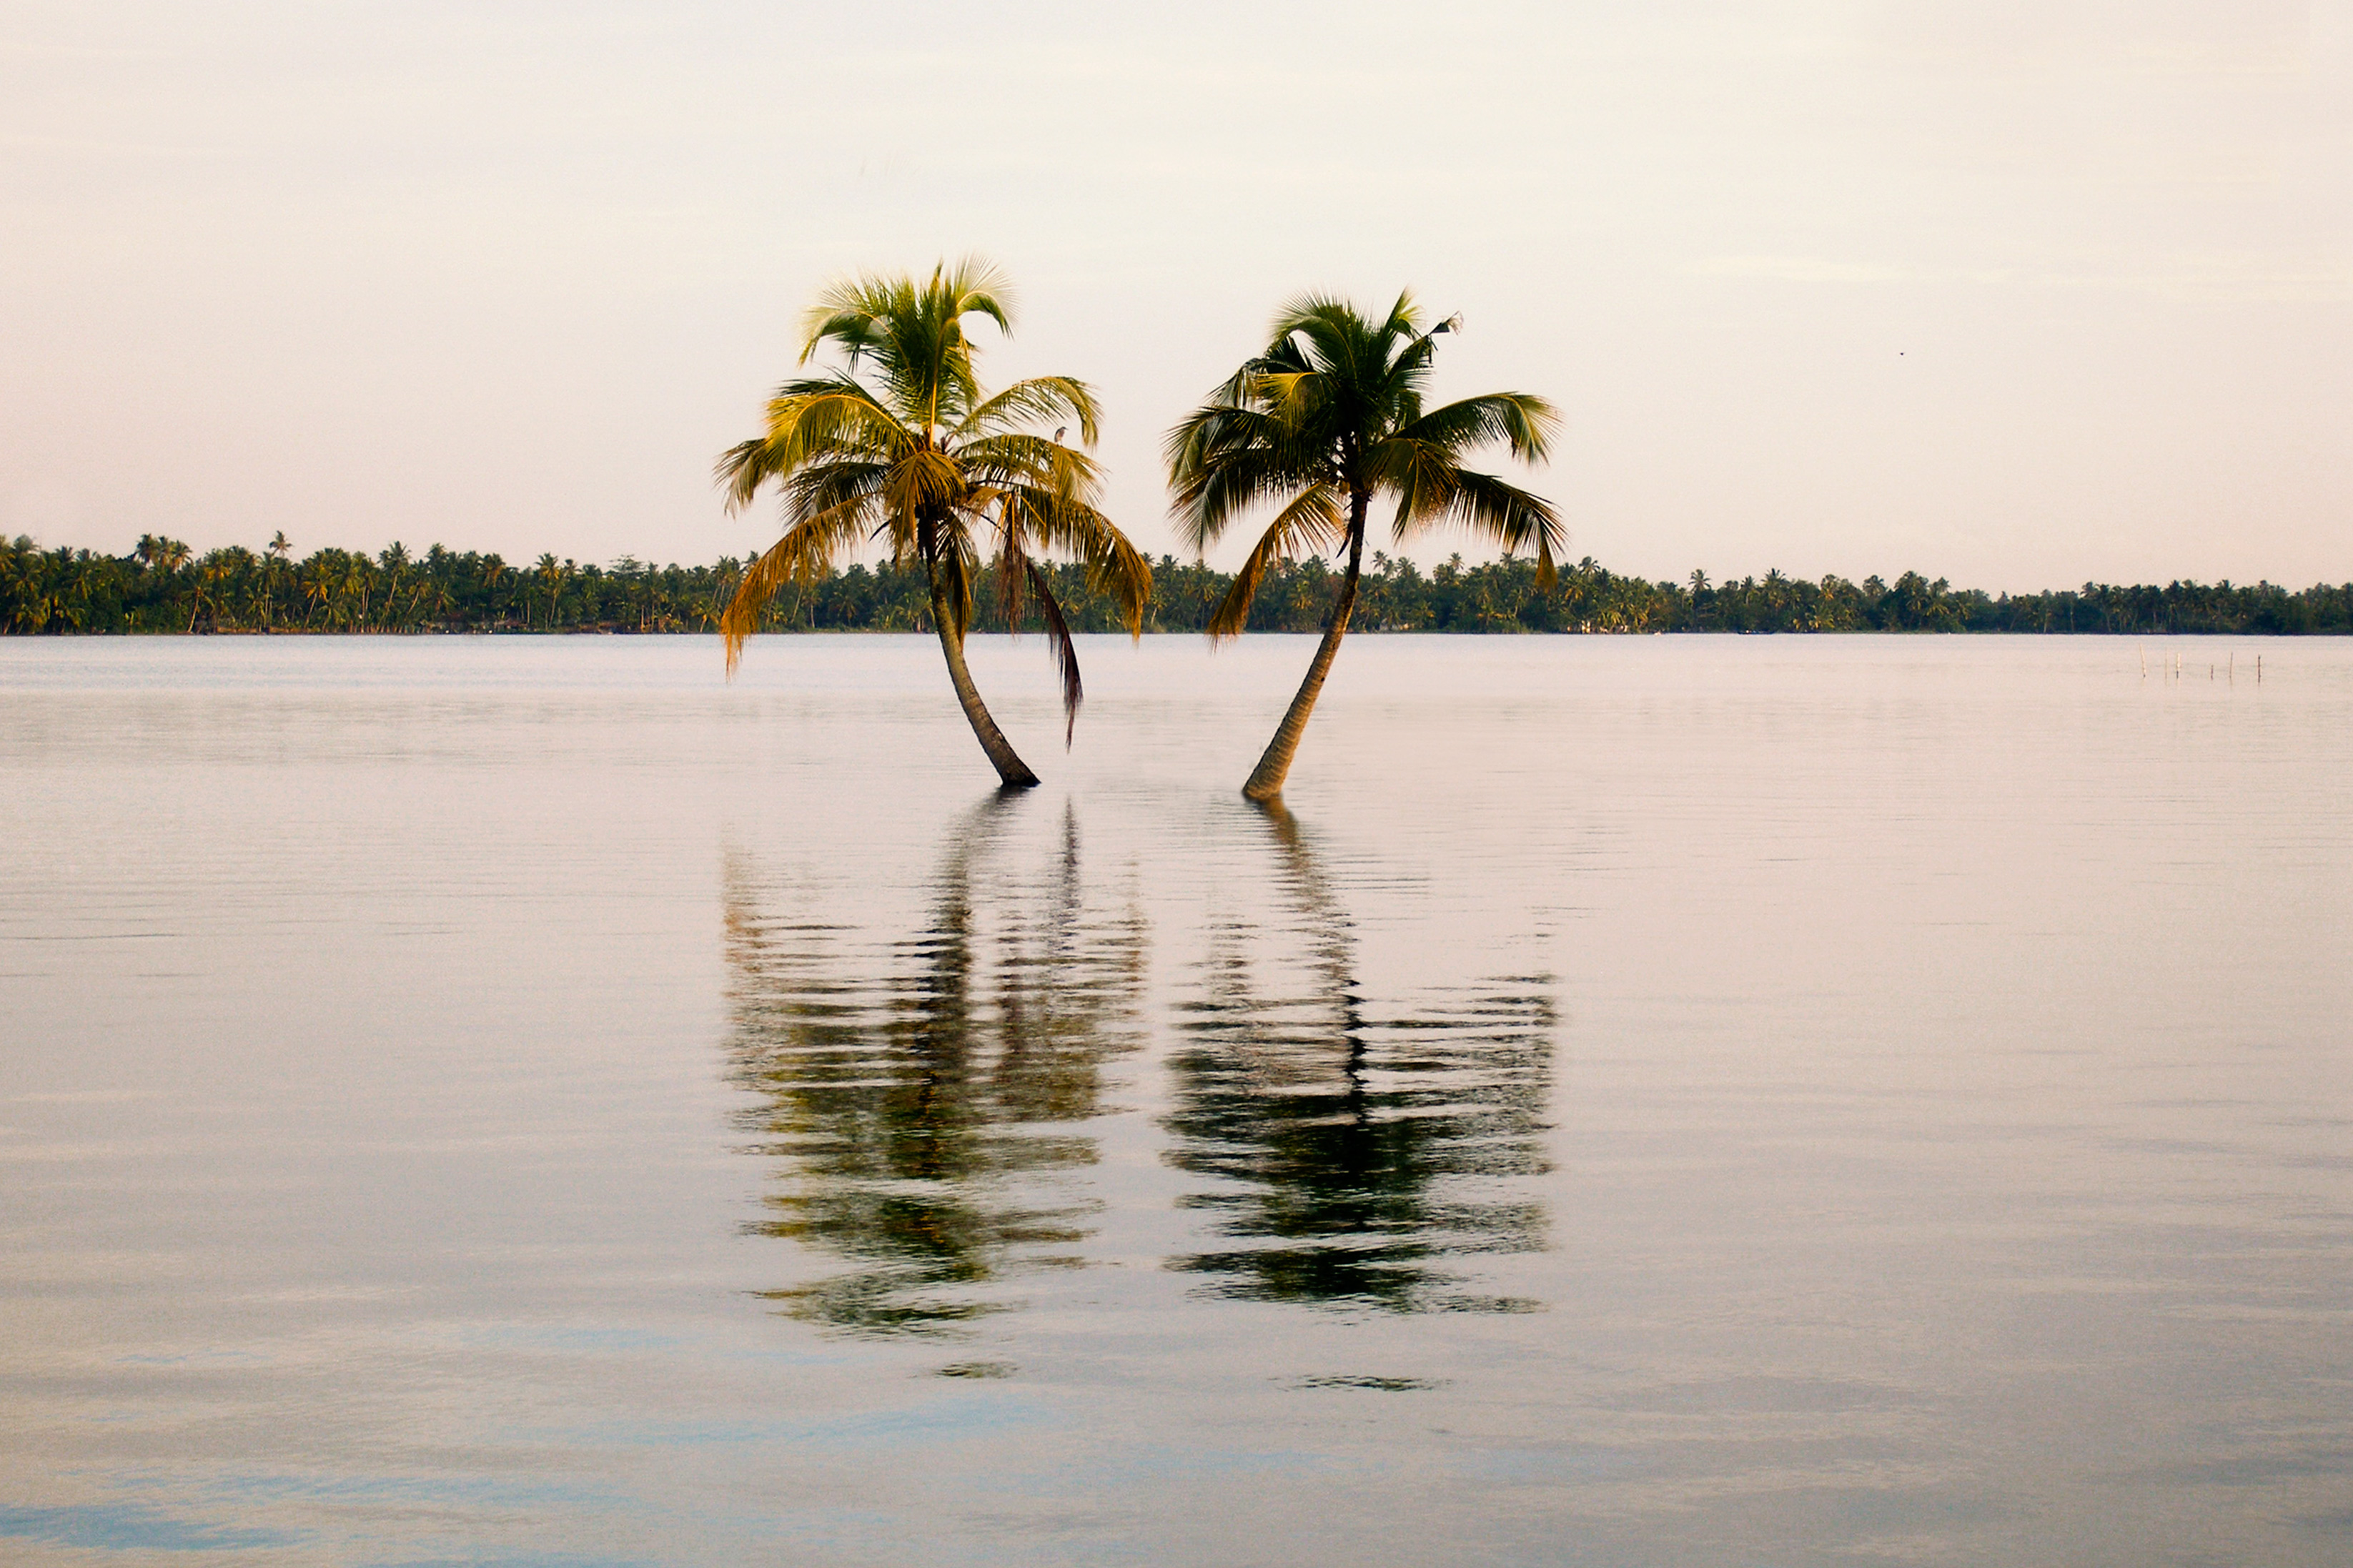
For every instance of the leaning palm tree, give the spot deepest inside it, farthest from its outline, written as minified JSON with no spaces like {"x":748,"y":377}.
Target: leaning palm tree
{"x":917,"y":455}
{"x":1327,"y":418}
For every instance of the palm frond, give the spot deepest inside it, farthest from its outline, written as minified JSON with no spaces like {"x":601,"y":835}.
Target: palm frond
{"x":1018,"y":459}
{"x":1036,"y":399}
{"x":1293,"y":398}
{"x":1114,"y":567}
{"x":834,"y":411}
{"x":979,"y":286}
{"x":821,"y":486}
{"x":1522,"y":420}
{"x":913,"y":334}
{"x":805,"y":552}
{"x":924,"y":481}
{"x":1011,"y":577}
{"x":1492,"y":510}
{"x":741,"y":470}
{"x":1066,"y":656}
{"x":1224,"y":459}
{"x":807,"y":419}
{"x":1310,"y":525}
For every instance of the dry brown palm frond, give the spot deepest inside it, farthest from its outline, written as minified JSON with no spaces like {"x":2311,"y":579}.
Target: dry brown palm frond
{"x":1010,"y":579}
{"x":802,"y":555}
{"x":1066,"y":656}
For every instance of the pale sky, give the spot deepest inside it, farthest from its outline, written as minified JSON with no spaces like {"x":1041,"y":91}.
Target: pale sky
{"x":2019,"y":293}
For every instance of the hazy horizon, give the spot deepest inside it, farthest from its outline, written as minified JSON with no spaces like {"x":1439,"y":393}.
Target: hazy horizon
{"x":2060,"y":292}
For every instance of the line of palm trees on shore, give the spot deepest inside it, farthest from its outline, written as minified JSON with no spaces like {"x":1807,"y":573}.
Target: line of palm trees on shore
{"x":162,"y":586}
{"x":237,"y":590}
{"x":896,"y":441}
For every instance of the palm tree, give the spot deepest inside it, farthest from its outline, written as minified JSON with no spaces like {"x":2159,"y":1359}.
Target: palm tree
{"x":494,"y":579}
{"x":317,"y":582}
{"x":33,"y":587}
{"x":918,"y":455}
{"x":550,"y":578}
{"x":1326,"y":418}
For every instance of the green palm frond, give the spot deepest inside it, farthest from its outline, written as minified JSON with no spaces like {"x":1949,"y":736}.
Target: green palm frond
{"x":821,"y":486}
{"x":834,"y":416}
{"x":1226,"y":460}
{"x":741,"y":471}
{"x":1036,"y":399}
{"x":1310,"y":525}
{"x":1333,"y":406}
{"x":1521,"y":420}
{"x":1295,"y":398}
{"x":1503,"y":513}
{"x":914,"y":335}
{"x":1025,"y":459}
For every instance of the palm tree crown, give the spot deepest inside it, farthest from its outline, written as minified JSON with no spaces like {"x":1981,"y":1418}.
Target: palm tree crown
{"x":1330,"y":418}
{"x":901,"y":442}
{"x":1325,"y":421}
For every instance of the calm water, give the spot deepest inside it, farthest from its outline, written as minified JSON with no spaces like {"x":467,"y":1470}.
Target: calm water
{"x":1650,"y":1101}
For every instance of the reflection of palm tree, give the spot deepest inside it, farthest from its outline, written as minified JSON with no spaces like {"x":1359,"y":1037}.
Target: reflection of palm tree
{"x":1338,"y":1139}
{"x":925,"y":1093}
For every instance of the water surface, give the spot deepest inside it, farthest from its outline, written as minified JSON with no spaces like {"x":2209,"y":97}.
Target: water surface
{"x":1644,"y":1102}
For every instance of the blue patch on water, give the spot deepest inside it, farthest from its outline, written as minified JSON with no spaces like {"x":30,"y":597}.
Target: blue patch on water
{"x":250,"y":1489}
{"x":934,"y":1422}
{"x":524,"y":1560}
{"x":126,"y":1527}
{"x":792,"y":1358}
{"x":490,"y":1492}
{"x":1510,"y":1466}
{"x":556,"y":1337}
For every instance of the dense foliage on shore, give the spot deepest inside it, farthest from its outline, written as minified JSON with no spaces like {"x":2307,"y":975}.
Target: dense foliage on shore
{"x":162,"y":586}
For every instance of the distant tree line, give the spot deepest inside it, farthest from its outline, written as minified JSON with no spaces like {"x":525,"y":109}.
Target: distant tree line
{"x":164,"y":586}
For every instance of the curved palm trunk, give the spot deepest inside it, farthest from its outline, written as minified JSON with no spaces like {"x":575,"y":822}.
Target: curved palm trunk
{"x":1010,"y":768}
{"x":1274,"y":766}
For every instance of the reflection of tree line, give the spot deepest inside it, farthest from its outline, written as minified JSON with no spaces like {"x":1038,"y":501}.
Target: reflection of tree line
{"x":926,"y":1096}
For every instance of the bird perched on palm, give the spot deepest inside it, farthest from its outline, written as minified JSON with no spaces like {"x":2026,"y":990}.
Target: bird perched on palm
{"x":1325,"y":421}
{"x":917,"y":455}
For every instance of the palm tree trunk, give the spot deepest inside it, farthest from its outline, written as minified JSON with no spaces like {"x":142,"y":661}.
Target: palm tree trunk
{"x":1010,"y":768}
{"x":1266,"y":779}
